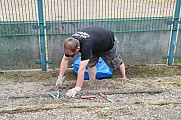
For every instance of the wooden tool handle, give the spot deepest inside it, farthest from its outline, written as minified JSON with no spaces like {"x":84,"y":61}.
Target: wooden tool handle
{"x":88,"y":97}
{"x":102,"y":95}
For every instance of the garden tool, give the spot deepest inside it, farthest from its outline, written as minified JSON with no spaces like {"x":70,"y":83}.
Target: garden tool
{"x":55,"y":96}
{"x":88,"y":97}
{"x":105,"y":97}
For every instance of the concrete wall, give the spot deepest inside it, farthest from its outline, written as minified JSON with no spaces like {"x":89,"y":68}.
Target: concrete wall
{"x":144,"y":47}
{"x":21,"y":52}
{"x":178,"y":49}
{"x":135,"y":48}
{"x":19,"y":46}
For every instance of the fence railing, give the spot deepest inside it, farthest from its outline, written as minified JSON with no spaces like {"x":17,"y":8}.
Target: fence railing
{"x":66,"y":16}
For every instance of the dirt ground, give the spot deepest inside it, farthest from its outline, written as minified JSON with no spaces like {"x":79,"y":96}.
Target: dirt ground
{"x":151,"y":92}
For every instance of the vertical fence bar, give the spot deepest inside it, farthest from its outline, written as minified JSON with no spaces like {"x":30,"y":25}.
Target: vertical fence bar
{"x":174,"y":32}
{"x":42,"y":35}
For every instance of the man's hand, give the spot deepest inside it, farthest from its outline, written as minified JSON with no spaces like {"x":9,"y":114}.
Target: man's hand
{"x":59,"y":81}
{"x":72,"y":92}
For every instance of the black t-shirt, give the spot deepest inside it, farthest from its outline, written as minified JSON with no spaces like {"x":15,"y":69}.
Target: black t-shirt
{"x":94,"y":40}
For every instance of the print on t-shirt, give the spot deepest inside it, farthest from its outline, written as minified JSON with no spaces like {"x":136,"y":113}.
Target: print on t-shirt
{"x":81,"y":35}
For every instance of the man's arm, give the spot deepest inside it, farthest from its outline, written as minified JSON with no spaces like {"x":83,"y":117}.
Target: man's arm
{"x":81,"y":72}
{"x":80,"y":78}
{"x":63,"y":66}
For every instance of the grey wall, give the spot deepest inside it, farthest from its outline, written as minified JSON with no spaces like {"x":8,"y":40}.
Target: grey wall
{"x":144,"y":47}
{"x":178,"y":49}
{"x":19,"y":52}
{"x":135,"y":48}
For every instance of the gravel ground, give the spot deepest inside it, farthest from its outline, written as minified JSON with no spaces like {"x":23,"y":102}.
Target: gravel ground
{"x":151,"y":98}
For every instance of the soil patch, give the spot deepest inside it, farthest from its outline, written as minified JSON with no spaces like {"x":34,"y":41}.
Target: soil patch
{"x":150,"y":92}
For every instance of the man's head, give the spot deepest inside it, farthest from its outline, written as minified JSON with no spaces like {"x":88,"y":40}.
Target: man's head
{"x":71,"y":47}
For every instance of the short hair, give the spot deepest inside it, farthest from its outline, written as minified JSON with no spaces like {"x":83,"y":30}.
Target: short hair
{"x":71,"y":44}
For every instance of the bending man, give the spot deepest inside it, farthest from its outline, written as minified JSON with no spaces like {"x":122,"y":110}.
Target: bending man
{"x":92,"y":43}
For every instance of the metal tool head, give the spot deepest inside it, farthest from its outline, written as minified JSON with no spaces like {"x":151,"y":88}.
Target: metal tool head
{"x":54,"y":96}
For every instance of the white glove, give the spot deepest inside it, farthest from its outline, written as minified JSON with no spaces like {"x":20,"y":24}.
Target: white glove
{"x":59,"y":81}
{"x":72,"y":92}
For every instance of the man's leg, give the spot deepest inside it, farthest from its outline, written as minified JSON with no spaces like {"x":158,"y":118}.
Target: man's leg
{"x":92,"y":73}
{"x":113,"y":59}
{"x":122,"y":71}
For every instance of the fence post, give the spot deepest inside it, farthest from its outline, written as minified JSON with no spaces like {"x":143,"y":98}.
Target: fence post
{"x":42,"y":35}
{"x":174,"y":32}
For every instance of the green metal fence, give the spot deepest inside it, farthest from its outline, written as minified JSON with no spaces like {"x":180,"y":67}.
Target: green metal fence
{"x":66,"y":16}
{"x":43,"y":18}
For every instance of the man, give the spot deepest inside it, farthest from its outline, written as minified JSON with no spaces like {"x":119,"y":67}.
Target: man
{"x":92,"y":43}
